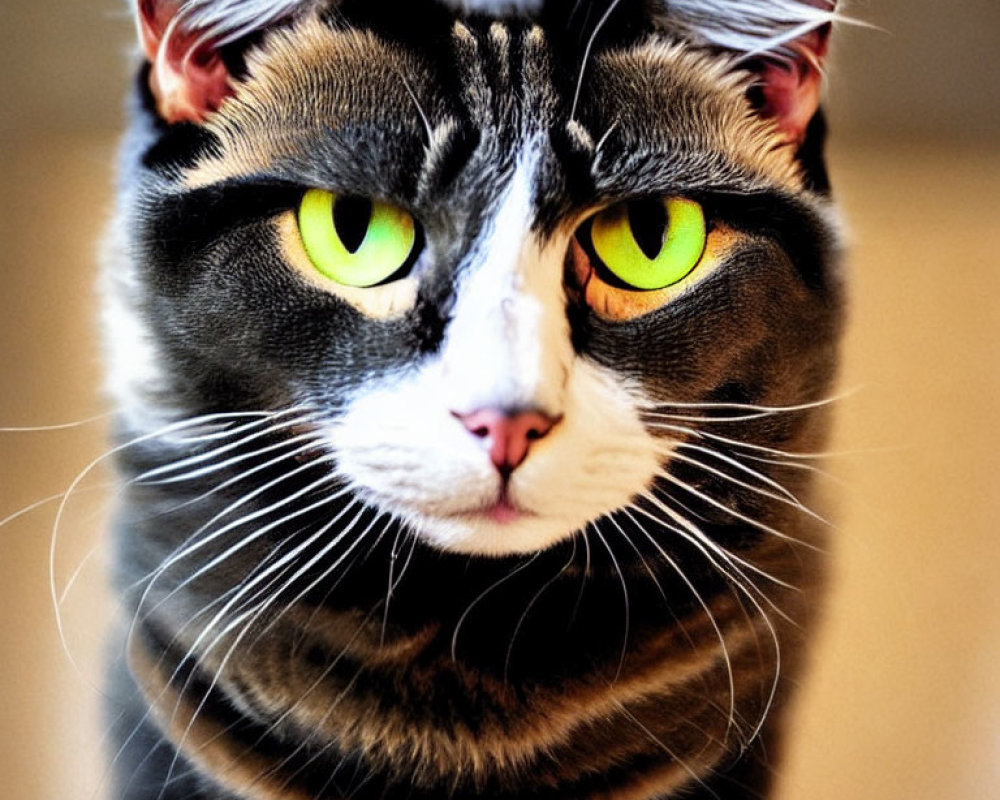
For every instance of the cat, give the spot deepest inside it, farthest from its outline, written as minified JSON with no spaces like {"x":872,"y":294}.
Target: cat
{"x":468,"y":359}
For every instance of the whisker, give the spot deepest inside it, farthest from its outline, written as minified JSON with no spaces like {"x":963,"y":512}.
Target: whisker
{"x":530,"y":605}
{"x":153,"y":476}
{"x":76,"y":573}
{"x":62,"y":426}
{"x":147,"y":716}
{"x":310,"y":736}
{"x":428,"y":129}
{"x":301,"y":571}
{"x":715,"y":419}
{"x":188,"y":546}
{"x":785,"y":497}
{"x":638,"y":553}
{"x":585,"y":573}
{"x":693,"y":535}
{"x":50,"y":499}
{"x":308,"y":691}
{"x":218,"y":487}
{"x":674,"y":757}
{"x":739,"y":443}
{"x":653,"y":409}
{"x":179,"y":425}
{"x":786,"y":494}
{"x":586,"y":56}
{"x":221,"y":598}
{"x":340,"y":559}
{"x":213,"y":427}
{"x":233,"y":549}
{"x":745,"y":590}
{"x":254,"y":515}
{"x":696,"y":536}
{"x":603,"y":141}
{"x":802,"y":467}
{"x":625,"y":598}
{"x":392,"y":584}
{"x":673,"y":479}
{"x":708,"y":612}
{"x":219,"y":559}
{"x":249,"y":617}
{"x":458,"y":626}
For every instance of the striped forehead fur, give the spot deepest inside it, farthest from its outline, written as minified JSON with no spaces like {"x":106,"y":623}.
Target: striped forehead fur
{"x":744,"y":26}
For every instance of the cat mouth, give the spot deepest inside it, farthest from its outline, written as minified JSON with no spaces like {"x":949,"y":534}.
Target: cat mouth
{"x":504,"y":512}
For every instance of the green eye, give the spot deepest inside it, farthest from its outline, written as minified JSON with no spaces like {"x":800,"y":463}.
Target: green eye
{"x":650,"y":244}
{"x":355,"y":241}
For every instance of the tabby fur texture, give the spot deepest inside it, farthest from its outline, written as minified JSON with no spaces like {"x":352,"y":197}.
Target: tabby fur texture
{"x":323,"y":597}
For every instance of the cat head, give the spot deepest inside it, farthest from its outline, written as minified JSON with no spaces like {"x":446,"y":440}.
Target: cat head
{"x":509,"y":267}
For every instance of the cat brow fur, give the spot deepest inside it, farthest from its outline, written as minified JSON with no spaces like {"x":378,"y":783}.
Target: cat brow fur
{"x":752,"y":27}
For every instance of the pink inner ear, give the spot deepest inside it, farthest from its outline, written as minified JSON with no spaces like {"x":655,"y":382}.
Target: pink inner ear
{"x":188,"y":77}
{"x":791,"y":87}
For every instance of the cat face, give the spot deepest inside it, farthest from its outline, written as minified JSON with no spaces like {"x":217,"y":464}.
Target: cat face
{"x":494,"y":393}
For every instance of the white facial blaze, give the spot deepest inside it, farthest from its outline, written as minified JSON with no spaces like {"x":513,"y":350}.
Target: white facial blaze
{"x":507,"y":347}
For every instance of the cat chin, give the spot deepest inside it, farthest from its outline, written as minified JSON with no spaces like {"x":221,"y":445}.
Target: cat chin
{"x":484,"y":534}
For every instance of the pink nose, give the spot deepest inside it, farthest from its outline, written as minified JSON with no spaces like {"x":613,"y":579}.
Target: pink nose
{"x":509,"y":434}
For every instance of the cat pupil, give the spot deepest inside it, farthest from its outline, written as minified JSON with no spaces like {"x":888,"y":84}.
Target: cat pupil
{"x":351,"y":217}
{"x":648,"y":220}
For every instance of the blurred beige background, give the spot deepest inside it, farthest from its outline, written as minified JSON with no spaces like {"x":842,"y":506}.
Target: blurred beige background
{"x":903,"y":702}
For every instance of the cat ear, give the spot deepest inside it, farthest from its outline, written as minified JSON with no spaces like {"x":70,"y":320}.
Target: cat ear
{"x":187,"y":75}
{"x":790,"y":85}
{"x":784,"y":42}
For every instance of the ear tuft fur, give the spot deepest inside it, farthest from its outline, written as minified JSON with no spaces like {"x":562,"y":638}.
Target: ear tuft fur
{"x":752,"y":28}
{"x":225,"y":21}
